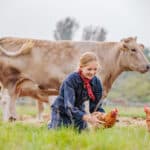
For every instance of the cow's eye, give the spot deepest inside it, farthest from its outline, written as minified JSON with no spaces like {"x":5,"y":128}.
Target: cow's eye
{"x":133,"y":50}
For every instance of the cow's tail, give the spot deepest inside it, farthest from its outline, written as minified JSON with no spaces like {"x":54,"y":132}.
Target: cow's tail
{"x":25,"y":49}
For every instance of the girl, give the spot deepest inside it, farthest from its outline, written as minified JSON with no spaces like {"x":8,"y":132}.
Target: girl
{"x":78,"y":87}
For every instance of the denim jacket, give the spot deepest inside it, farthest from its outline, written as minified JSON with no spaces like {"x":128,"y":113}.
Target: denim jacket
{"x":73,"y":94}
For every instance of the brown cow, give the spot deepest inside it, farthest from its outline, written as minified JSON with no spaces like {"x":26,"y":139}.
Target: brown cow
{"x":48,"y":62}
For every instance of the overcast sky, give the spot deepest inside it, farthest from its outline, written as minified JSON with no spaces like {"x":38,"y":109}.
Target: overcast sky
{"x":37,"y":18}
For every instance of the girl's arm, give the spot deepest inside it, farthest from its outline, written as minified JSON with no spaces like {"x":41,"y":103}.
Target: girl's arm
{"x":69,"y":100}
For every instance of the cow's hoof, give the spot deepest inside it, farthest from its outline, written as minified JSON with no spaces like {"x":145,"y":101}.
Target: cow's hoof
{"x":11,"y":119}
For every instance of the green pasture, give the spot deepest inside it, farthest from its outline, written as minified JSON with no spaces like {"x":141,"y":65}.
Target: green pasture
{"x":21,"y":136}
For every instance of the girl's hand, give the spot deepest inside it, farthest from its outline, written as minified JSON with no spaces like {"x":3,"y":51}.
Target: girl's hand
{"x":93,"y":120}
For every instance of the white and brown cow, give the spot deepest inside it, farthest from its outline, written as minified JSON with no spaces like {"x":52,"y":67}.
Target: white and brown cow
{"x":48,"y":62}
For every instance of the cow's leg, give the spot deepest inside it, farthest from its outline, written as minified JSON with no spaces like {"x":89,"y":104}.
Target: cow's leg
{"x":12,"y":109}
{"x":50,"y":102}
{"x":40,"y":106}
{"x":5,"y":110}
{"x":5,"y":100}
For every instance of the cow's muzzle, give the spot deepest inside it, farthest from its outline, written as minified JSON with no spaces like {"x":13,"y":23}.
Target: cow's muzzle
{"x":148,"y":67}
{"x":144,"y":69}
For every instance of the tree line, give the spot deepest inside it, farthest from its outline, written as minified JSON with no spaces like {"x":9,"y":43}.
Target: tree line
{"x":66,"y":28}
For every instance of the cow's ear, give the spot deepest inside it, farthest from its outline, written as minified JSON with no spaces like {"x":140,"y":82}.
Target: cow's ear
{"x":142,"y":46}
{"x":129,"y":39}
{"x":126,"y":40}
{"x":124,"y":47}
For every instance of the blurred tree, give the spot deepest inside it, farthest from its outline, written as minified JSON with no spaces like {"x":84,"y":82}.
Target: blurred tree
{"x":87,"y":33}
{"x":94,"y":33}
{"x":65,"y":29}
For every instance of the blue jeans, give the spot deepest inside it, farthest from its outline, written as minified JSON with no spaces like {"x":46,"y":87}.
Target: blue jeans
{"x":59,"y":118}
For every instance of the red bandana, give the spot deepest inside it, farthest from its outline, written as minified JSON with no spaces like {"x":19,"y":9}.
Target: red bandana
{"x":87,"y":85}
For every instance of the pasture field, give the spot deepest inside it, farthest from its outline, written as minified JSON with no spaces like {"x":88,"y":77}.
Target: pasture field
{"x":25,"y":135}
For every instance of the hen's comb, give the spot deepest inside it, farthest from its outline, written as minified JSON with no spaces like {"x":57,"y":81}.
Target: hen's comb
{"x":115,"y":110}
{"x":146,"y":108}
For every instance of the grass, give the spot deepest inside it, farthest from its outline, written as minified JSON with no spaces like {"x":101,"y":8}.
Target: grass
{"x":19,"y":136}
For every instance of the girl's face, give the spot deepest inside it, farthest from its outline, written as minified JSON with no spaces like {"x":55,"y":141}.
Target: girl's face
{"x":89,"y":71}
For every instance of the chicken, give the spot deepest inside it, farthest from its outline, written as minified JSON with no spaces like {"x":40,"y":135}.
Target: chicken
{"x":147,"y":111}
{"x":107,"y":120}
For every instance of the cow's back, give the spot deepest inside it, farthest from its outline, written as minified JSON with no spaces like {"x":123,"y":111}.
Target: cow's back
{"x":48,"y":62}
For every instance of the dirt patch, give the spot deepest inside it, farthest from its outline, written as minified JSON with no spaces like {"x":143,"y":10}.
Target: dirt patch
{"x":130,"y":121}
{"x":122,"y":121}
{"x":33,"y":120}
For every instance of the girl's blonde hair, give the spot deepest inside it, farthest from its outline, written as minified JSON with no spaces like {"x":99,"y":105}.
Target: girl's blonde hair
{"x":86,"y":58}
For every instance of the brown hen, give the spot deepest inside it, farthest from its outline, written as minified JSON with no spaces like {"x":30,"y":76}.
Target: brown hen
{"x":107,"y":119}
{"x":147,"y":111}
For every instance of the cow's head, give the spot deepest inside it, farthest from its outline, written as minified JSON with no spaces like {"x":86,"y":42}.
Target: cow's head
{"x":133,"y":57}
